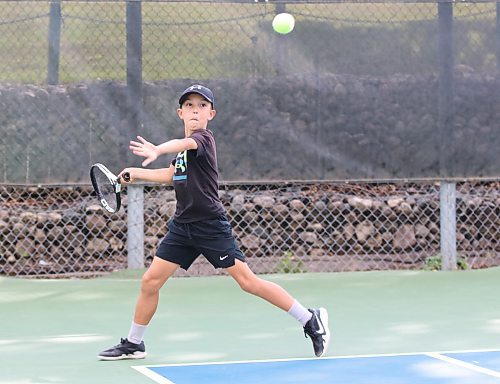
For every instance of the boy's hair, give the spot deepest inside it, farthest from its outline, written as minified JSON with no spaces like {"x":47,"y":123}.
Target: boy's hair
{"x":200,"y":90}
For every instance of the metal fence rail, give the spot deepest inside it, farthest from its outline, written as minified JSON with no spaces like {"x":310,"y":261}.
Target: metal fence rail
{"x":282,"y":227}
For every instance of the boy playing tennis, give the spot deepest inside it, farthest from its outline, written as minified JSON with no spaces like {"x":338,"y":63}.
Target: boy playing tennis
{"x":199,"y":227}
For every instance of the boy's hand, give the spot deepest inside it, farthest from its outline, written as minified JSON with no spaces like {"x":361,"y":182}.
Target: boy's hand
{"x":127,"y":176}
{"x":144,"y":149}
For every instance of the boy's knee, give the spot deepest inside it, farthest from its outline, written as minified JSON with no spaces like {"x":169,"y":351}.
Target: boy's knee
{"x":150,"y":284}
{"x":249,"y":285}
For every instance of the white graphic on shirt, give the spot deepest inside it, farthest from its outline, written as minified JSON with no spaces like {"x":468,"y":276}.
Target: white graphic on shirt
{"x":180,"y":172}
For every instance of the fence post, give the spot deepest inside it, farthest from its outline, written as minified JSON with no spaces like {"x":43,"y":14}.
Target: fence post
{"x":448,"y":224}
{"x":135,"y":227}
{"x":134,"y":74}
{"x":497,"y":44}
{"x":445,"y":102}
{"x":54,"y":42}
{"x":497,"y":40}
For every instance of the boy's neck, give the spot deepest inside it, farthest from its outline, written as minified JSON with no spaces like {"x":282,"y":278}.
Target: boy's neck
{"x":189,"y":131}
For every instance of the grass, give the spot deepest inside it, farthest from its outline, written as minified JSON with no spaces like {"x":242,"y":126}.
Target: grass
{"x":200,"y":40}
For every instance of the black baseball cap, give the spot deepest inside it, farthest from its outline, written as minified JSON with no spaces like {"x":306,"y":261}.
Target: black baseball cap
{"x":200,"y":90}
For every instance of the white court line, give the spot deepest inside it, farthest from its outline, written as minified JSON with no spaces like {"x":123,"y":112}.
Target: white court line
{"x":321,"y":358}
{"x":464,"y":364}
{"x":152,"y":375}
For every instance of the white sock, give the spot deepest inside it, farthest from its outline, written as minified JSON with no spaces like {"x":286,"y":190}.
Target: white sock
{"x":300,"y":313}
{"x":136,"y":333}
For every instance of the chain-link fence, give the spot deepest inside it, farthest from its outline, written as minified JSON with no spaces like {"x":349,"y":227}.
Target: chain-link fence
{"x":366,"y":90}
{"x":357,"y":91}
{"x":281,"y":228}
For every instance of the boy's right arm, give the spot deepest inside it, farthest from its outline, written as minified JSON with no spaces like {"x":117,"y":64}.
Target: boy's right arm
{"x":162,"y":175}
{"x":151,"y":152}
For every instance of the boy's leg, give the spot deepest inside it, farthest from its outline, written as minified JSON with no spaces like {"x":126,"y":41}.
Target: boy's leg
{"x":133,"y":347}
{"x":267,"y":290}
{"x":154,"y":278}
{"x":314,"y":321}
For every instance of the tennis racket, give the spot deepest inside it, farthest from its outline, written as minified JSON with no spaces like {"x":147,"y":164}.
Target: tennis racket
{"x":107,"y":186}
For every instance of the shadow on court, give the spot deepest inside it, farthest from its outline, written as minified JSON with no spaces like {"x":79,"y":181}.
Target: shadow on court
{"x":52,"y":330}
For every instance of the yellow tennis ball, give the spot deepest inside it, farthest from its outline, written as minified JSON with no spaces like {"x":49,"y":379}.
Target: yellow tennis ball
{"x":283,"y":23}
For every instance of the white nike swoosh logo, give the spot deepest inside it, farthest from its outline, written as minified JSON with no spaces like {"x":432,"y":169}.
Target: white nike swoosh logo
{"x":321,"y":329}
{"x":223,"y":257}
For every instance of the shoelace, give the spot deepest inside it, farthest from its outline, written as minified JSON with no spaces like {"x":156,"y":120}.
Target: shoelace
{"x":308,"y":331}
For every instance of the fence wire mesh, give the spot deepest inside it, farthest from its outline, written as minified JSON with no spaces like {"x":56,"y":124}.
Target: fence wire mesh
{"x":281,"y":228}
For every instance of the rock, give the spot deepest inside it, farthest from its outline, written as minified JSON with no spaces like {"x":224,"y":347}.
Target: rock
{"x":320,"y":206}
{"x":19,"y":229}
{"x":297,"y":205}
{"x":405,"y":208}
{"x":251,"y":217}
{"x":97,"y":246}
{"x":39,"y":235}
{"x":315,"y":227}
{"x":297,"y":217}
{"x":364,"y":230}
{"x":421,"y":231}
{"x":281,"y":211}
{"x":308,"y":237}
{"x":359,"y":203}
{"x":4,"y":226}
{"x":24,"y":247}
{"x":118,"y":226}
{"x":394,"y":202}
{"x":28,"y":217}
{"x":250,"y":242}
{"x":336,"y":207}
{"x":96,"y":223}
{"x":167,"y":210}
{"x":404,"y":238}
{"x":237,"y":203}
{"x":266,"y":202}
{"x":4,"y":214}
{"x":93,"y":208}
{"x":349,"y":232}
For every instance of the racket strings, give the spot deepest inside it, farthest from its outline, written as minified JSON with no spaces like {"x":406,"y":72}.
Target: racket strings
{"x":106,"y":191}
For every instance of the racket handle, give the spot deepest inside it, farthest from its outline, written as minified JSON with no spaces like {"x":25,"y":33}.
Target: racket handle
{"x":126,"y":177}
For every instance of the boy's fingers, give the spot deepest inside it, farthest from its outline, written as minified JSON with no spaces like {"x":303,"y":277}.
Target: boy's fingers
{"x":141,"y":154}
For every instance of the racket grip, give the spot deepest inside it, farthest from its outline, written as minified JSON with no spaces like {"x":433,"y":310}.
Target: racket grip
{"x":126,"y":177}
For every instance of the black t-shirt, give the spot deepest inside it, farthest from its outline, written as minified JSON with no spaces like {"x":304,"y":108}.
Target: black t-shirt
{"x":196,"y":180}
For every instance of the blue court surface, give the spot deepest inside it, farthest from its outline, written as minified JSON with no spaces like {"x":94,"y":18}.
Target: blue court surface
{"x":466,"y":367}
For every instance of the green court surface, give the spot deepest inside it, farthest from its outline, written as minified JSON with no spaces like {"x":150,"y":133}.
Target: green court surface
{"x":52,"y":330}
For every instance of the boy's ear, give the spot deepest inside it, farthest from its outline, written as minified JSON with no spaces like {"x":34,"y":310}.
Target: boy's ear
{"x":213,"y":112}
{"x":179,"y":113}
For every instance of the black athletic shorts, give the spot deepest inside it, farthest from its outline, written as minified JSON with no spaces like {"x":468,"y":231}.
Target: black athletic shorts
{"x":213,"y":238}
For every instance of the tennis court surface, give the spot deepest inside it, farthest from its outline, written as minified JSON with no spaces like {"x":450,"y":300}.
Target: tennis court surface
{"x":383,"y":326}
{"x":431,"y":368}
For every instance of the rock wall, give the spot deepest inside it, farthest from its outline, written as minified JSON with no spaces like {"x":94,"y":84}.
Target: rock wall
{"x":328,"y":127}
{"x":322,"y":227}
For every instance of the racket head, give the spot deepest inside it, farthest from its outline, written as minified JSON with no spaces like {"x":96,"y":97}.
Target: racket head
{"x":106,"y":186}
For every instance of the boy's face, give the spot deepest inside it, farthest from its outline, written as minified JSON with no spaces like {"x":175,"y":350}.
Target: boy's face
{"x":196,"y":112}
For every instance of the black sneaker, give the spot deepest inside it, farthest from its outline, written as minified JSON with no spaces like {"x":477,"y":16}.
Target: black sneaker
{"x":317,"y":329}
{"x":124,"y":350}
